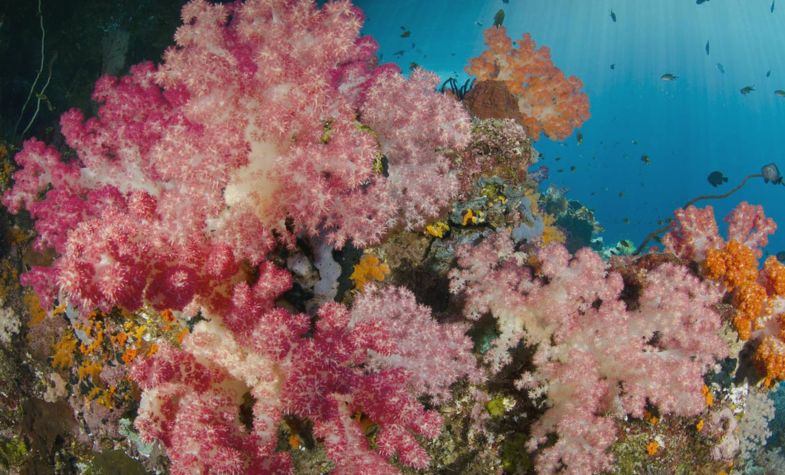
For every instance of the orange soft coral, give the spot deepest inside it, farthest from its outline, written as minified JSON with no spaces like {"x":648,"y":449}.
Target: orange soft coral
{"x":735,"y":265}
{"x":548,"y":101}
{"x":770,"y":358}
{"x":759,"y":298}
{"x":774,"y":276}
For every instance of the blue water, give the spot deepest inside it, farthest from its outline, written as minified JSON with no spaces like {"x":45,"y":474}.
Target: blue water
{"x":688,"y":127}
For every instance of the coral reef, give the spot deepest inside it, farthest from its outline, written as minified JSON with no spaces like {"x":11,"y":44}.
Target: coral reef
{"x":270,"y":253}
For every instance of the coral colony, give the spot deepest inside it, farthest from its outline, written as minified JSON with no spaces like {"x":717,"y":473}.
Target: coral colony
{"x":270,"y":254}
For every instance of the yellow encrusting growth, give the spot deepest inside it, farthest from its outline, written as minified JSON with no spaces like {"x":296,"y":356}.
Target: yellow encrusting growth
{"x":369,"y":269}
{"x":91,"y":369}
{"x":37,"y":313}
{"x":650,"y":418}
{"x":100,"y":340}
{"x":551,"y":234}
{"x":63,"y":351}
{"x":6,"y":168}
{"x":469,"y":217}
{"x":652,"y":448}
{"x":707,"y":394}
{"x":437,"y":229}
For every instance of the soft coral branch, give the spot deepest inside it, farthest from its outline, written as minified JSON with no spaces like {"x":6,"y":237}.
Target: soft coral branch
{"x":594,"y":358}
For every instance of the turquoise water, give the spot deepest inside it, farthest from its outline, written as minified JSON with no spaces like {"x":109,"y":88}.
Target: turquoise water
{"x":688,"y":127}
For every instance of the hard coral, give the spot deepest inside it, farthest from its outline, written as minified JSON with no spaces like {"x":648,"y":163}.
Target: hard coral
{"x":547,"y":100}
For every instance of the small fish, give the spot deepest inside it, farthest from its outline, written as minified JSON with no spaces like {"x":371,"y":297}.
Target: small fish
{"x":626,"y":220}
{"x":572,"y":168}
{"x":721,"y":68}
{"x":579,"y":138}
{"x":634,"y":142}
{"x":621,"y":194}
{"x":399,"y":53}
{"x":645,"y":159}
{"x":613,"y":66}
{"x":505,"y":1}
{"x":779,"y":93}
{"x":781,"y":256}
{"x":560,"y":170}
{"x":557,"y":158}
{"x":707,"y":47}
{"x":768,"y":73}
{"x":746,"y":90}
{"x":669,"y":77}
{"x":478,"y":22}
{"x":413,"y":66}
{"x":717,"y":178}
{"x":498,"y":19}
{"x":772,"y":6}
{"x":406,"y":34}
{"x":701,"y":1}
{"x":613,"y":16}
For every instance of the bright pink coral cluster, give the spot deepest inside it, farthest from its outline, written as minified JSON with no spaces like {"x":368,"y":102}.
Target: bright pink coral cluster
{"x":268,"y":118}
{"x":370,"y":362}
{"x":695,"y":231}
{"x":595,"y":358}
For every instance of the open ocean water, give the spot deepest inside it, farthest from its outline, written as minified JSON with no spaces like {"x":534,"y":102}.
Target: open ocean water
{"x":650,"y":144}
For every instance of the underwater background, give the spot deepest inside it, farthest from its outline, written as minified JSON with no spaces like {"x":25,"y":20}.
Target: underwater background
{"x":688,"y":127}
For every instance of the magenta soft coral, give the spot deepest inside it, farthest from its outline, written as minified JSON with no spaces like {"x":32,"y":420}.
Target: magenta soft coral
{"x":594,"y":358}
{"x":355,"y":362}
{"x":264,"y":122}
{"x":256,"y":118}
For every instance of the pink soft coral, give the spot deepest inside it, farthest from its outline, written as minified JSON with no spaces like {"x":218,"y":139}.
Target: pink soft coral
{"x":255,"y":126}
{"x":594,"y":356}
{"x":694,"y":231}
{"x":372,"y":360}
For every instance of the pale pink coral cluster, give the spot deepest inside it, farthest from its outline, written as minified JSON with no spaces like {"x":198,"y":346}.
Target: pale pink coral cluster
{"x":695,"y":231}
{"x":595,"y":358}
